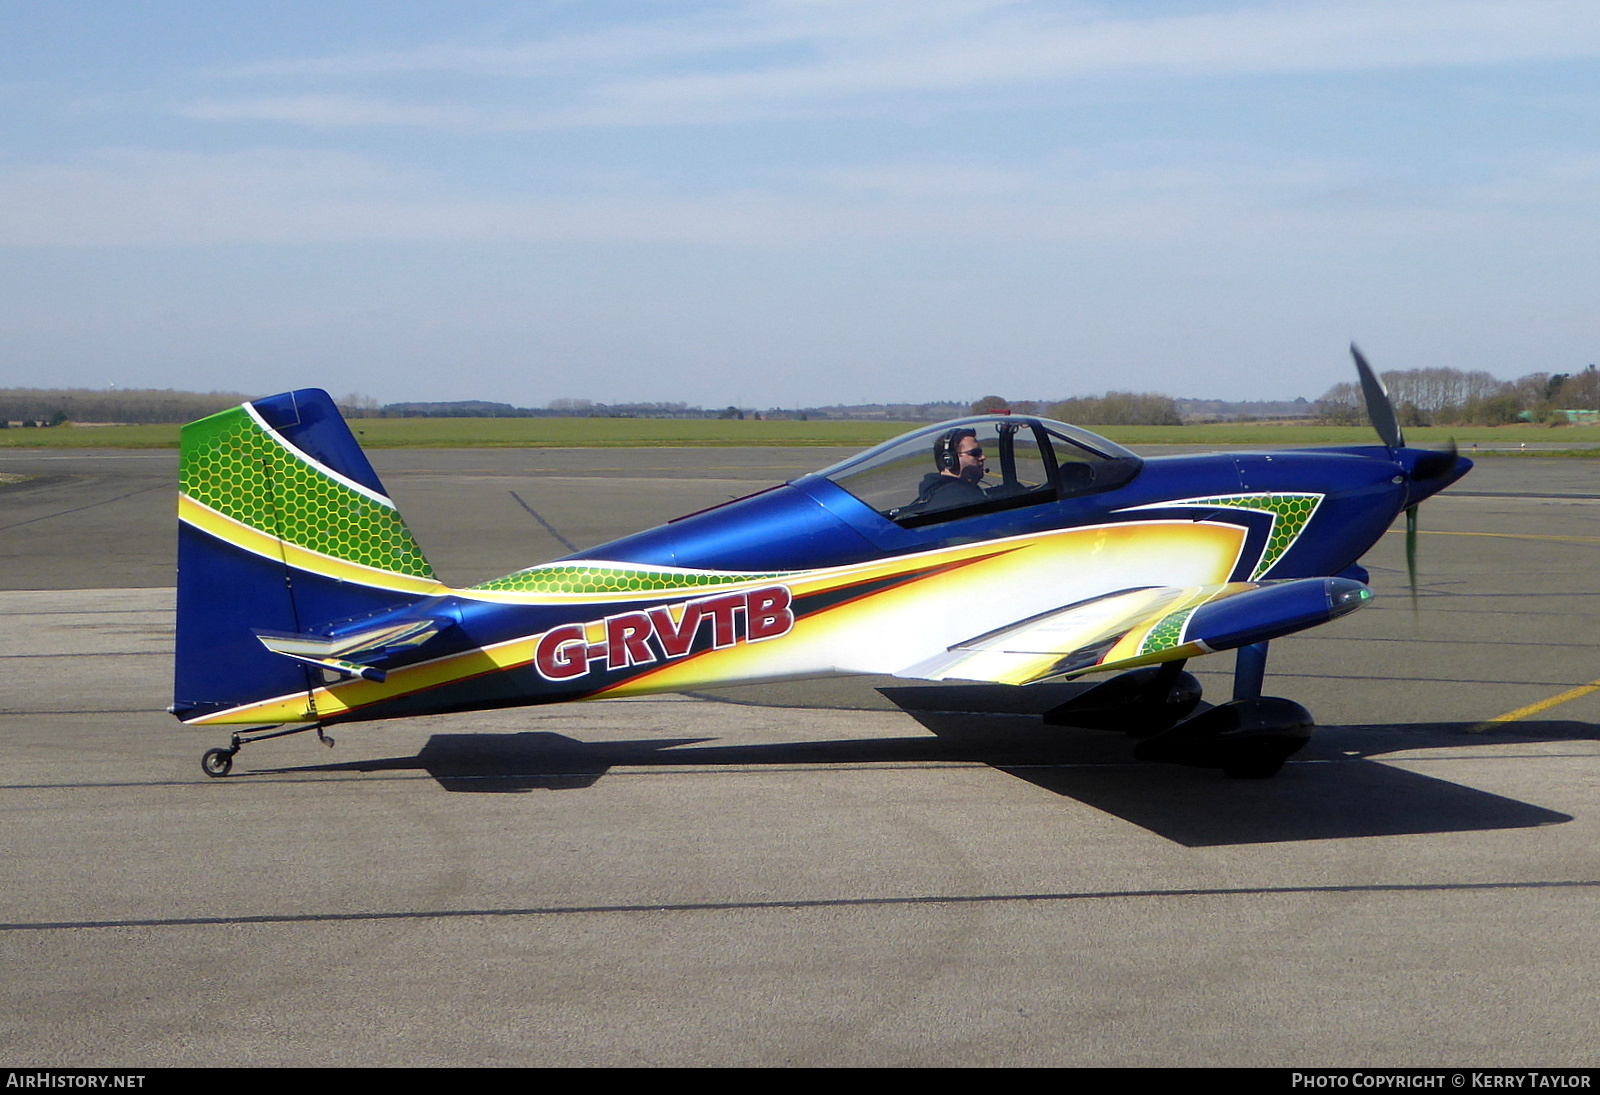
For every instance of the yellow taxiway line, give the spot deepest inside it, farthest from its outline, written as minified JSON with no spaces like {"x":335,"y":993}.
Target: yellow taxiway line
{"x":1560,"y":698}
{"x":1534,"y":708}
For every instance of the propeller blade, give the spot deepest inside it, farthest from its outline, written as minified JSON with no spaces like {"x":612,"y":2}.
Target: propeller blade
{"x":1431,"y":465}
{"x":1380,"y":412}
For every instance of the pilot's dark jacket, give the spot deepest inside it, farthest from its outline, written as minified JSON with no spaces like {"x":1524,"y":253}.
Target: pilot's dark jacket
{"x":940,"y":492}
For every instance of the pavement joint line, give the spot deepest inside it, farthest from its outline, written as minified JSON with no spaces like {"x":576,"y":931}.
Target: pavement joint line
{"x":548,"y":527}
{"x":268,"y":775}
{"x":1525,"y":499}
{"x":798,"y":904}
{"x":1510,"y":494}
{"x":24,"y":712}
{"x":414,"y":776}
{"x":80,"y":509}
{"x":1535,"y":708}
{"x":1505,"y":536}
{"x":161,"y":610}
{"x":1434,"y":642}
{"x":96,"y":654}
{"x":1408,"y":680}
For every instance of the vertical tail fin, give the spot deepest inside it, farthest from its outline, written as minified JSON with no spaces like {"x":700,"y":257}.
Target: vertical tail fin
{"x":284,"y":528}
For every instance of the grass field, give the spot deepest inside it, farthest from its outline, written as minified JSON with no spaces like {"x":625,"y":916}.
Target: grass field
{"x":458,"y":433}
{"x":380,"y":433}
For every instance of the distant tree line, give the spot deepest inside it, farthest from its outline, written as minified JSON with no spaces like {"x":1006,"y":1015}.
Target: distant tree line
{"x":584,"y":408}
{"x":558,"y":408}
{"x":54,"y":406}
{"x":1119,"y":409}
{"x":464,"y":408}
{"x":1250,"y":410}
{"x":1451,"y":397}
{"x":937,"y":411}
{"x":1421,"y":397}
{"x":1111,"y":409}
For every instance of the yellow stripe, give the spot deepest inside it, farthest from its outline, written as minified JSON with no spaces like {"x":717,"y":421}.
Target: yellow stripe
{"x":1534,"y":708}
{"x":338,"y":699}
{"x":240,"y":535}
{"x":741,"y":662}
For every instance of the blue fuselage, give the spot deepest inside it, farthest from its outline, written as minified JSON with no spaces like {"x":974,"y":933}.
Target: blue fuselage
{"x":812,"y":523}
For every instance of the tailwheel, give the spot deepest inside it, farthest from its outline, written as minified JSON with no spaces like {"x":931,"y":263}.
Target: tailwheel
{"x":217,"y":763}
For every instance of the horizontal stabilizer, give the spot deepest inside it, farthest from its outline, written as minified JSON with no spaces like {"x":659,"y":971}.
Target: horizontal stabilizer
{"x":347,"y":655}
{"x":1136,"y":627}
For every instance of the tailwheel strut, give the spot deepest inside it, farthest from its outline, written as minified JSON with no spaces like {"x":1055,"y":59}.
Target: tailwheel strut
{"x":217,"y":763}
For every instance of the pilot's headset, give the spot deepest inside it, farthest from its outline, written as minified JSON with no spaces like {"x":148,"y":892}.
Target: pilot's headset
{"x":946,"y":450}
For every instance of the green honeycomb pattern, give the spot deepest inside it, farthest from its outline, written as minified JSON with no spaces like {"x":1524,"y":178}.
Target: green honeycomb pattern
{"x":1169,"y":632}
{"x":1290,"y":512}
{"x":238,"y":469}
{"x":567,"y":578}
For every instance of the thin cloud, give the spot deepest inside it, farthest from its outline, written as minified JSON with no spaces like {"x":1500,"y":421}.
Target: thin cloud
{"x":1007,"y":52}
{"x":765,"y":60}
{"x":340,"y":112}
{"x":715,"y":29}
{"x":283,"y":196}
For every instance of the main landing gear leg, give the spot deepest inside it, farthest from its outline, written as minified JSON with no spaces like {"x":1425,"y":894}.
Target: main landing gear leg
{"x":1249,"y":669}
{"x":217,"y":763}
{"x":1249,"y":737}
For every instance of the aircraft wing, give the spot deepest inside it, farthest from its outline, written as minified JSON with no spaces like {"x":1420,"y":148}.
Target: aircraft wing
{"x":1134,"y":627}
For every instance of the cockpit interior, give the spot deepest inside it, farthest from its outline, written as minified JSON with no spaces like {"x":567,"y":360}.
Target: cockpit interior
{"x":981,"y":465}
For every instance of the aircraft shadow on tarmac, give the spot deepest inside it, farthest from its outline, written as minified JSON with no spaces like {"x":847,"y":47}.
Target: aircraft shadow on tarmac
{"x":1343,"y":794}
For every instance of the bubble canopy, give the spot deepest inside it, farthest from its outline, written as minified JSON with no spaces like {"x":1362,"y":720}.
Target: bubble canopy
{"x":979,"y":464}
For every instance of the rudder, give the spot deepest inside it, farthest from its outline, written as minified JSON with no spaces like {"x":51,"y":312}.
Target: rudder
{"x":284,"y":527}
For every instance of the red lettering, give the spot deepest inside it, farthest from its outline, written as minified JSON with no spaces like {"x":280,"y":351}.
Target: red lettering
{"x":562,"y":653}
{"x":721,"y":610}
{"x":676,"y":639}
{"x":625,"y":641}
{"x":769,"y":614}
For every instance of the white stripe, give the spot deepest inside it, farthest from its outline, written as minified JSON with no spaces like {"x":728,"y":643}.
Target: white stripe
{"x":323,"y":468}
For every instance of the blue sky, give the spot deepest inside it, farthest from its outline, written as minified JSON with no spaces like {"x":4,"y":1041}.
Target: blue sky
{"x":792,"y":202}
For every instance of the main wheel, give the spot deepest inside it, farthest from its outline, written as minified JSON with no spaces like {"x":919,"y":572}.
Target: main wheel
{"x":217,"y":763}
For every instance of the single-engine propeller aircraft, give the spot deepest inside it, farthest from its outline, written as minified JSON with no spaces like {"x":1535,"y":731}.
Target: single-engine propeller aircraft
{"x":999,"y":548}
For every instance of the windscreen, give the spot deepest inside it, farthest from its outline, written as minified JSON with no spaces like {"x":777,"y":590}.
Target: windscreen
{"x":978,"y":464}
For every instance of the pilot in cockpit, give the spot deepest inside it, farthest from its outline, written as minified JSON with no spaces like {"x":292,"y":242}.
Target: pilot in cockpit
{"x":959,"y":458}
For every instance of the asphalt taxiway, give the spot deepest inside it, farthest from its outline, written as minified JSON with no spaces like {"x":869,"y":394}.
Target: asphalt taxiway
{"x":860,"y":871}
